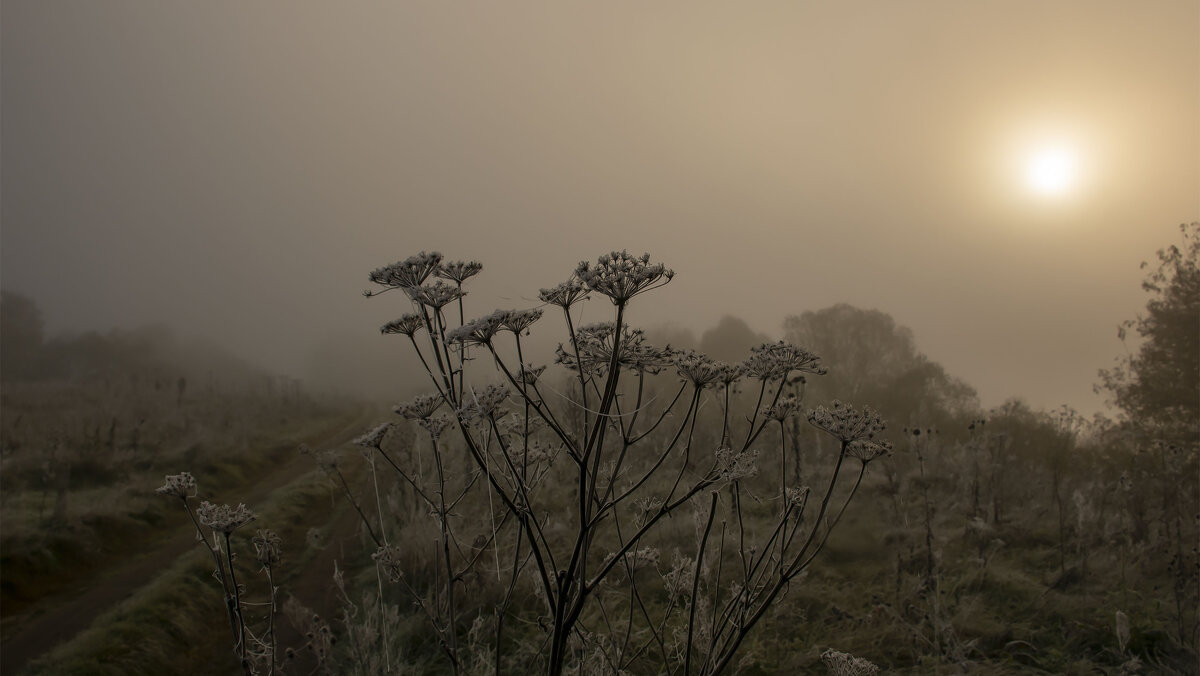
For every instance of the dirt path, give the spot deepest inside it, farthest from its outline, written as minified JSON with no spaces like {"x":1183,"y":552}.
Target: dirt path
{"x":60,"y":618}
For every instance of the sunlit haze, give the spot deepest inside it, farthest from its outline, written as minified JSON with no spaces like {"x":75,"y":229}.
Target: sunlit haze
{"x":989,"y":174}
{"x":1052,"y":170}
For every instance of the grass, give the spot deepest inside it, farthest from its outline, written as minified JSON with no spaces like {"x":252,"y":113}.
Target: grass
{"x":175,"y":623}
{"x":122,"y":519}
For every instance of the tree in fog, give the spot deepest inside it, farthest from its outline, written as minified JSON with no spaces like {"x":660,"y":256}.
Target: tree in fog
{"x":21,"y":336}
{"x":1158,"y":387}
{"x":878,"y":361}
{"x":730,"y":339}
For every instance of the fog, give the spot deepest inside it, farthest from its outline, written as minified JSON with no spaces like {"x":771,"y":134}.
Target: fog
{"x":236,"y":169}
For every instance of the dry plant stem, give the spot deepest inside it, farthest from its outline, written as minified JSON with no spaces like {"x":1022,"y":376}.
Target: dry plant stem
{"x":688,"y":416}
{"x":387,"y":656}
{"x":220,"y":570}
{"x":593,"y":446}
{"x":786,"y":574}
{"x":928,"y":513}
{"x":502,"y":612}
{"x":451,"y":613}
{"x":606,"y":473}
{"x":271,"y":618}
{"x":582,"y":383}
{"x":237,"y":606}
{"x":349,"y":496}
{"x":699,"y":563}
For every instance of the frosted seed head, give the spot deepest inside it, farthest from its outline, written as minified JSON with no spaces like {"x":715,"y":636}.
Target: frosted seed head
{"x":182,"y":485}
{"x":223,"y":518}
{"x":407,"y":325}
{"x":458,"y":271}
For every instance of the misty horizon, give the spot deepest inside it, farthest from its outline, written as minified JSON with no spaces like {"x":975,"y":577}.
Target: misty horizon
{"x":234,"y":172}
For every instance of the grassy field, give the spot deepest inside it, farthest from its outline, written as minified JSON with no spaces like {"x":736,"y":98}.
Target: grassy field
{"x":920,"y":577}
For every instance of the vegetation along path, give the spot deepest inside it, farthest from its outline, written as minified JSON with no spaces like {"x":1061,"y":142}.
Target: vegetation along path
{"x":64,"y":617}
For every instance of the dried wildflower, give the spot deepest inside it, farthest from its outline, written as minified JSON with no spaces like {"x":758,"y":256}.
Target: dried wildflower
{"x":845,"y":664}
{"x":564,"y":295}
{"x":388,"y":558}
{"x":678,"y":580}
{"x":477,"y":332}
{"x":783,"y":409}
{"x":266,"y":547}
{"x":436,"y":295}
{"x":520,"y":320}
{"x":531,"y":373}
{"x":595,"y":346}
{"x":182,"y":485}
{"x":847,"y":424}
{"x":480,"y":406}
{"x":435,"y":426}
{"x":773,"y":361}
{"x":540,"y":452}
{"x":733,"y":465}
{"x":867,"y":450}
{"x":648,"y":504}
{"x":698,"y":368}
{"x":797,"y":497}
{"x":373,"y":438}
{"x":411,"y":272}
{"x":515,"y":425}
{"x":408,"y":325}
{"x":730,"y":373}
{"x":419,"y":408}
{"x":458,"y":271}
{"x":223,"y":518}
{"x":621,"y":276}
{"x":483,"y":404}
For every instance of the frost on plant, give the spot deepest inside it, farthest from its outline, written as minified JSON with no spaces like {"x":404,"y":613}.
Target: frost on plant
{"x":558,"y":485}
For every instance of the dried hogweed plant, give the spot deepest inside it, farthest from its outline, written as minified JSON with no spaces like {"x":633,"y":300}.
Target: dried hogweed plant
{"x":576,"y":484}
{"x":256,"y":650}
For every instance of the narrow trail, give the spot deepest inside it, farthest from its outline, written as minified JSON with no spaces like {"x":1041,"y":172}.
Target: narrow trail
{"x":60,"y":618}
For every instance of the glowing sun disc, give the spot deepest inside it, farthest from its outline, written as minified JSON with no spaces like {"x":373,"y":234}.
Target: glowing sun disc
{"x":1051,"y":171}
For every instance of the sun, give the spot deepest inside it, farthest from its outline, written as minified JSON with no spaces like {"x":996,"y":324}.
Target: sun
{"x":1052,"y":170}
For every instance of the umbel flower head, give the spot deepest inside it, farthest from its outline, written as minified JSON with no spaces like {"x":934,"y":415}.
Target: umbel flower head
{"x":389,"y":558}
{"x":518,"y":321}
{"x":408,"y":325}
{"x":480,"y":405}
{"x":419,"y":408}
{"x":436,"y":295}
{"x":266,"y":547}
{"x":223,"y":518}
{"x":408,"y":273}
{"x":564,"y":295}
{"x":783,"y":409}
{"x":531,"y":373}
{"x":850,"y":426}
{"x":772,"y":361}
{"x":373,"y":438}
{"x":697,"y":368}
{"x":621,"y":275}
{"x":595,"y":344}
{"x":435,"y":426}
{"x":867,"y":450}
{"x":182,"y":485}
{"x":478,"y":331}
{"x":458,"y":271}
{"x":733,"y":465}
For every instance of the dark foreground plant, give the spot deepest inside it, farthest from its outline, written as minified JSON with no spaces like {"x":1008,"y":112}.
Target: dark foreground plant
{"x":580,"y":481}
{"x":256,"y":650}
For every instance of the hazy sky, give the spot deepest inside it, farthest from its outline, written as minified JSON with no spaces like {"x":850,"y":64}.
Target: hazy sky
{"x":236,"y":168}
